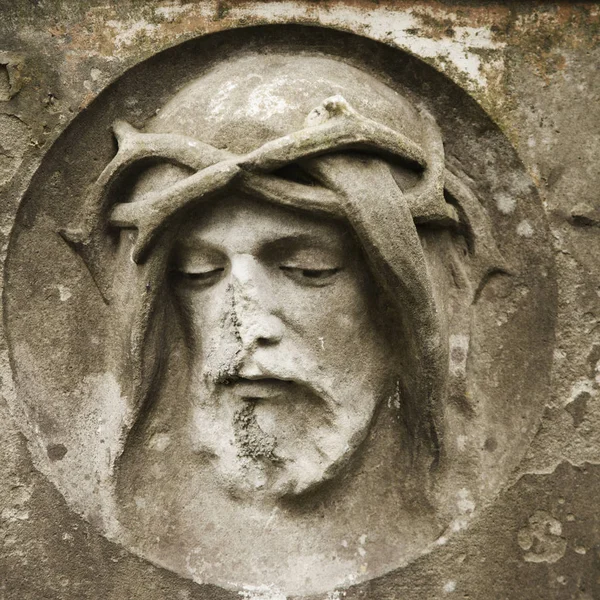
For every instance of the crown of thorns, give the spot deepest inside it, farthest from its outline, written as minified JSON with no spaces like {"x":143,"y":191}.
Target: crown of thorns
{"x":332,"y":126}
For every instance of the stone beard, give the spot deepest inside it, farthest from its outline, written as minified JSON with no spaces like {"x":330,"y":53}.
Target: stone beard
{"x":284,"y":353}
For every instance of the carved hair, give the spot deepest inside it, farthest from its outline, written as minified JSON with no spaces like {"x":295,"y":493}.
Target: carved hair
{"x":365,"y":195}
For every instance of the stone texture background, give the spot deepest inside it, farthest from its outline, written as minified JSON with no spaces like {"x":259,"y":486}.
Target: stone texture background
{"x":534,"y":67}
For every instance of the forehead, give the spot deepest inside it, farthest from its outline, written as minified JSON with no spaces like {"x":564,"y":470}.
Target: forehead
{"x":243,"y":224}
{"x":245,"y":101}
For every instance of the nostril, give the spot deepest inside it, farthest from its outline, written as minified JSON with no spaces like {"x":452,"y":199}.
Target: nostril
{"x":258,"y":326}
{"x":267,"y":331}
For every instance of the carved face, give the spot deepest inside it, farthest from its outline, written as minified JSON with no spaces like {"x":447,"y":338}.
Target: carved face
{"x":288,"y":358}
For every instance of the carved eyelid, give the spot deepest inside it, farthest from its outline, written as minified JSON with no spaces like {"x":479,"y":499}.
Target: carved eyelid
{"x":195,"y":271}
{"x":329,"y":270}
{"x":188,"y":257}
{"x":304,"y":250}
{"x":299,"y":266}
{"x":311,"y":277}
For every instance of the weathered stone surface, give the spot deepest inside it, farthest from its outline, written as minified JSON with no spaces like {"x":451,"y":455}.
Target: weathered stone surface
{"x":501,"y":284}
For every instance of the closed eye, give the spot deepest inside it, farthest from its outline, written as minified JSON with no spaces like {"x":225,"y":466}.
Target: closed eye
{"x":315,"y":277}
{"x":201,"y":276}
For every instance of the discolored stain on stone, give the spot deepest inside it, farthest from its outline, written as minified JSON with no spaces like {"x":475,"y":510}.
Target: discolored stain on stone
{"x":490,"y":444}
{"x":542,"y":539}
{"x":4,"y":83}
{"x":578,"y":408}
{"x":252,"y":440}
{"x":56,"y":451}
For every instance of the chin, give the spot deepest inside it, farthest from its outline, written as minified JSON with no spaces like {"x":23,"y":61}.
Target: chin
{"x":309,"y":465}
{"x":274,"y":458}
{"x":271,"y":482}
{"x":255,"y":480}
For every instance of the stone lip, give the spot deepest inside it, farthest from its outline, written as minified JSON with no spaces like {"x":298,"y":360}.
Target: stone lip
{"x":260,"y":387}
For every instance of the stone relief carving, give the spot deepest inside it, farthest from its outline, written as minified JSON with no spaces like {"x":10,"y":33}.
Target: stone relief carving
{"x":292,"y":302}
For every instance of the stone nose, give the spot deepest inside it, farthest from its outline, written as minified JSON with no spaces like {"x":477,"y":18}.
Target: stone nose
{"x":255,"y":309}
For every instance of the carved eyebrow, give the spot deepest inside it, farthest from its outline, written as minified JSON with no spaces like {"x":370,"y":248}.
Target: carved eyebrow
{"x":194,"y":246}
{"x":293,"y":243}
{"x":277,"y":245}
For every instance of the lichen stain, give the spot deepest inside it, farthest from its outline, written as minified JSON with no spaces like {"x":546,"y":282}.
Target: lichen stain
{"x":56,"y":451}
{"x":542,"y":36}
{"x":252,"y":441}
{"x":542,"y":539}
{"x":466,"y":42}
{"x":107,"y":32}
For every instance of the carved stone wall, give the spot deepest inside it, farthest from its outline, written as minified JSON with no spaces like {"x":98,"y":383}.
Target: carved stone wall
{"x":299,"y":300}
